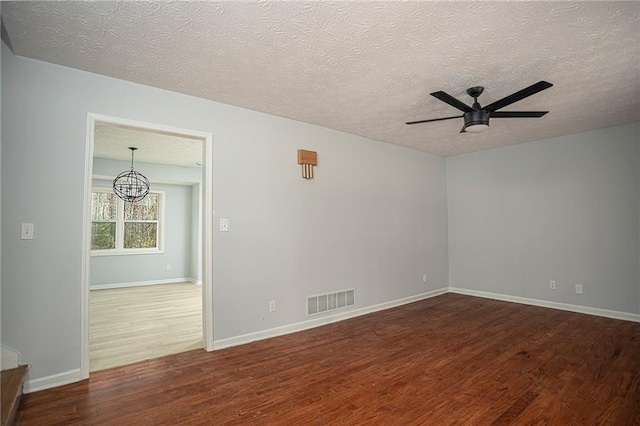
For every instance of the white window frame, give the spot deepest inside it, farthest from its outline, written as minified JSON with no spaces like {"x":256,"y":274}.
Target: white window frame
{"x":120,"y":250}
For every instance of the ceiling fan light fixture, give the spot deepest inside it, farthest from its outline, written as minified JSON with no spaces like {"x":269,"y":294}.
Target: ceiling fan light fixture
{"x":476,"y":121}
{"x":476,"y":128}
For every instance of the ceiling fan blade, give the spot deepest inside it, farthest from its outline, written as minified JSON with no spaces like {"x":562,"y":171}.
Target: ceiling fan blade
{"x":447,"y":98}
{"x":517,"y":114}
{"x":515,"y":97}
{"x":433,"y":119}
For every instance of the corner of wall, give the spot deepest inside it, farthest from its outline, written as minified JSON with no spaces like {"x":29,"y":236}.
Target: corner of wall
{"x":638,"y":170}
{"x":10,"y":358}
{"x":447,"y":210}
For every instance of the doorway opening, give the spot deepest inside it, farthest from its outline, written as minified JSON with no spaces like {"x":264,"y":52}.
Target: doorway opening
{"x":146,"y":267}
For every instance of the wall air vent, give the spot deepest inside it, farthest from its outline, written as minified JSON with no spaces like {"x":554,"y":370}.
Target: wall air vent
{"x":330,"y":301}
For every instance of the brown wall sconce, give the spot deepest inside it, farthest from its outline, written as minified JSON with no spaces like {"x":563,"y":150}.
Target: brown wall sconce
{"x":308,"y":159}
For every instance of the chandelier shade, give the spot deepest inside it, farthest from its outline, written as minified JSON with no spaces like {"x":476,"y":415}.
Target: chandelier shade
{"x":131,"y":185}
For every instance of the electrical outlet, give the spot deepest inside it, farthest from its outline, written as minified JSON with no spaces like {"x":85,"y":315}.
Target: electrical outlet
{"x":424,"y":278}
{"x":578,"y":288}
{"x":552,"y":285}
{"x":26,"y":231}
{"x":272,"y":306}
{"x":168,"y":267}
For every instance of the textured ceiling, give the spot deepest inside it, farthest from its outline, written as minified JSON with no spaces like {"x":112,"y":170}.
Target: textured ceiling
{"x":113,"y":142}
{"x":361,"y":67}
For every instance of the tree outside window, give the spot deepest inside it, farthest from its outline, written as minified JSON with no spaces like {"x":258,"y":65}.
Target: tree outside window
{"x":104,"y":210}
{"x":118,"y":227}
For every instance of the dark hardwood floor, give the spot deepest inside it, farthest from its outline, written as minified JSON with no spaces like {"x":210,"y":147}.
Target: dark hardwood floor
{"x":451,"y":359}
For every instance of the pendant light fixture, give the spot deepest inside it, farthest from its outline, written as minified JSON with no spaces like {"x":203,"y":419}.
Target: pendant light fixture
{"x":130,"y":185}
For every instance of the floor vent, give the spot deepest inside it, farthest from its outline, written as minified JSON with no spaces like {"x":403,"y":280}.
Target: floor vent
{"x":330,"y":301}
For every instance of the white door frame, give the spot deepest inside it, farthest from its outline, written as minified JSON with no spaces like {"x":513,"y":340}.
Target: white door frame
{"x":207,"y":227}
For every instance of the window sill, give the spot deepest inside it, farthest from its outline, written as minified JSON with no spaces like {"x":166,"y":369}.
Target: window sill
{"x":130,"y":252}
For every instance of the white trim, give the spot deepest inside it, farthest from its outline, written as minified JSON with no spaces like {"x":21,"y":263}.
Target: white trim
{"x":548,"y":304}
{"x":207,"y":221}
{"x":125,"y":252}
{"x":77,"y":374}
{"x":194,"y":281}
{"x":86,"y":249}
{"x":52,"y":381}
{"x":207,"y":241}
{"x":317,"y":322}
{"x":141,"y":283}
{"x":107,"y":119}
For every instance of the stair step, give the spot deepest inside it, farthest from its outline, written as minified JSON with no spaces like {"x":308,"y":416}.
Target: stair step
{"x":12,"y":380}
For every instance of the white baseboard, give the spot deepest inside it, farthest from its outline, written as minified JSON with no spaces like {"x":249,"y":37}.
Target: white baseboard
{"x":317,"y":322}
{"x":627,"y":316}
{"x":75,"y":375}
{"x":194,"y":281}
{"x":140,"y":283}
{"x":53,"y":381}
{"x":10,"y":358}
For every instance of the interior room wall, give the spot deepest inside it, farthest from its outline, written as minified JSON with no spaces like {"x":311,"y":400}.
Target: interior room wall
{"x":373,"y":219}
{"x":162,"y":173}
{"x":196,"y":234}
{"x":3,"y":358}
{"x":563,"y":209}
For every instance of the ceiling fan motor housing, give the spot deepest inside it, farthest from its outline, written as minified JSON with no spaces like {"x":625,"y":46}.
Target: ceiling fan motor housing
{"x":476,"y":117}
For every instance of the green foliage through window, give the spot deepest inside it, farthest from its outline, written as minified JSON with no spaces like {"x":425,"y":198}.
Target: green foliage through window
{"x":103,"y":235}
{"x":104,"y":206}
{"x":117,"y":225}
{"x":146,"y":209}
{"x":140,"y":235}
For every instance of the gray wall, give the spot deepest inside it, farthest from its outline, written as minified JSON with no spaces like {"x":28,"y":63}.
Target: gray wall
{"x":1,"y":362}
{"x":177,"y":246}
{"x":195,"y":271}
{"x":155,"y":172}
{"x":374,"y":219}
{"x":563,"y":209}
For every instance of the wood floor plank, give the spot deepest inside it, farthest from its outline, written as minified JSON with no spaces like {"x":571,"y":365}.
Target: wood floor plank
{"x":132,"y":324}
{"x":451,"y":359}
{"x":11,"y":392}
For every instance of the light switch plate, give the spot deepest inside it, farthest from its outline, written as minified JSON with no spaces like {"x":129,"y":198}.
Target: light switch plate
{"x":27,"y":231}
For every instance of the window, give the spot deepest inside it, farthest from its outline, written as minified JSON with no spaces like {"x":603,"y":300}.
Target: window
{"x":125,"y":228}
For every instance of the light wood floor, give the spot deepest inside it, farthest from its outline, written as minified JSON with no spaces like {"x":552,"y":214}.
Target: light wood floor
{"x":128,"y":325}
{"x":449,"y":360}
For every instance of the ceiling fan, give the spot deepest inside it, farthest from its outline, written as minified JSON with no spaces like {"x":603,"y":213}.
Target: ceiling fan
{"x":476,"y":118}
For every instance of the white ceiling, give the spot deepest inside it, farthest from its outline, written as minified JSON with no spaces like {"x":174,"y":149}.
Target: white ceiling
{"x":361,"y":67}
{"x":113,"y":142}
